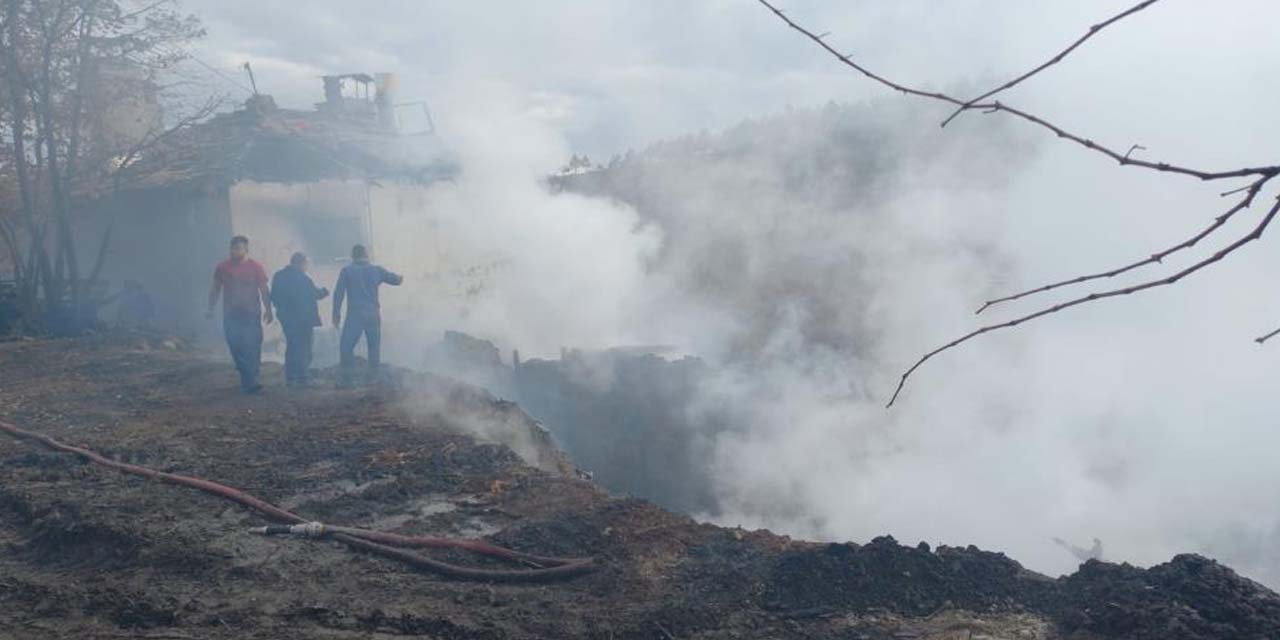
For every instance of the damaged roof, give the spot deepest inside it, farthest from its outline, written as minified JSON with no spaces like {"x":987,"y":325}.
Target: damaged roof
{"x":267,"y":144}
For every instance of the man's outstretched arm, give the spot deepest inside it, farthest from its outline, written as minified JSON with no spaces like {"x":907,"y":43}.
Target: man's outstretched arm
{"x":393,"y":279}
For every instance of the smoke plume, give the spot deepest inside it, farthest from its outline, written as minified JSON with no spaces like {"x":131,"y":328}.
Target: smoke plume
{"x":809,"y":256}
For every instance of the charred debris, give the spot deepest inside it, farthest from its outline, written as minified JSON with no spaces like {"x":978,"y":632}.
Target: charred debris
{"x":93,"y":553}
{"x":626,"y":415}
{"x":103,"y":555}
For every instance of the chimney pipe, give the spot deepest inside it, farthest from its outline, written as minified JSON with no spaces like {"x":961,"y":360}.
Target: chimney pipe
{"x":387,"y":87}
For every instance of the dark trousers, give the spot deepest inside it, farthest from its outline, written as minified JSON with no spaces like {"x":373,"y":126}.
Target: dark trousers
{"x":244,"y":339}
{"x":298,"y":339}
{"x":356,"y":325}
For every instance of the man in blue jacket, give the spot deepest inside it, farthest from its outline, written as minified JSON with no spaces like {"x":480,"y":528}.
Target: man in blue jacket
{"x":295,"y":297}
{"x":358,"y":285}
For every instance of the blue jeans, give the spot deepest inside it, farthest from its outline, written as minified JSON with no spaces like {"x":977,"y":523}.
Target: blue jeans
{"x":244,"y":339}
{"x":357,"y":324}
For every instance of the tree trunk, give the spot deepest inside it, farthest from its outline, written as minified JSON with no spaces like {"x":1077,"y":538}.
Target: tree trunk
{"x":40,"y":270}
{"x":15,"y":255}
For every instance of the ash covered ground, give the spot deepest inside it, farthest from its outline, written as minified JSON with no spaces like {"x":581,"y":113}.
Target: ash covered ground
{"x":90,"y":553}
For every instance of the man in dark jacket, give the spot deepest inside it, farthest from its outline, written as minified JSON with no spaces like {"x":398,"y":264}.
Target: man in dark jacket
{"x":358,"y":285}
{"x":295,"y":295}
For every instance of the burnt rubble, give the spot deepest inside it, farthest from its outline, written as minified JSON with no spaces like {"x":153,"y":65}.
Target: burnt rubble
{"x":624,"y":414}
{"x":89,"y":553}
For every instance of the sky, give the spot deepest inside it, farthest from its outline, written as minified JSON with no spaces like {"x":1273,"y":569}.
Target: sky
{"x":619,"y":74}
{"x":1147,"y":421}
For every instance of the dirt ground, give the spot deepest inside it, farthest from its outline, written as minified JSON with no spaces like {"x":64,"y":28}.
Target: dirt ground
{"x":86,"y":552}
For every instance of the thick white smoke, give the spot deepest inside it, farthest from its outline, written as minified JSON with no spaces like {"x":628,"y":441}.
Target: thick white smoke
{"x":1147,"y":422}
{"x":496,"y":254}
{"x":809,"y":311}
{"x":809,"y":307}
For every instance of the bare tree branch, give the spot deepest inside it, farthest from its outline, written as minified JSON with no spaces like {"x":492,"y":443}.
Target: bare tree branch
{"x":1262,"y":339}
{"x":1093,"y":30}
{"x":125,"y":17}
{"x":1154,"y":258}
{"x":998,"y":106}
{"x":206,"y":109}
{"x":1092,"y":297}
{"x":49,"y":50}
{"x":1263,"y":175}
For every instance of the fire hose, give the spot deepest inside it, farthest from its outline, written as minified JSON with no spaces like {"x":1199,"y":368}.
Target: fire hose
{"x":376,"y":542}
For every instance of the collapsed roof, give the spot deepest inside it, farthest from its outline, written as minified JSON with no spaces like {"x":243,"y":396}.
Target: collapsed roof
{"x":267,"y":144}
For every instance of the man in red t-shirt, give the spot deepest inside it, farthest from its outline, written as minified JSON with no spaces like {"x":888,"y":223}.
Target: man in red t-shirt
{"x":246,"y":301}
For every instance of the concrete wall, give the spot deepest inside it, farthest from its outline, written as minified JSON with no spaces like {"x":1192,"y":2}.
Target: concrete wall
{"x":415,"y":230}
{"x":407,"y":229}
{"x":169,"y":240}
{"x":322,"y":219}
{"x":428,"y":235}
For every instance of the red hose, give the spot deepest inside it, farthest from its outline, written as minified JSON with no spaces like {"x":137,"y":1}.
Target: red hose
{"x":371,"y":541}
{"x":474,"y":546}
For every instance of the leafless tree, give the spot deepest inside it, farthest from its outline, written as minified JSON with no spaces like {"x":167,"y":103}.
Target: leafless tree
{"x":52,"y":53}
{"x":1257,"y":178}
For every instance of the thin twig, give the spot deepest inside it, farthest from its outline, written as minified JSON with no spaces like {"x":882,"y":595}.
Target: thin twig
{"x":133,"y":14}
{"x":1263,"y":173}
{"x":1092,"y":297}
{"x":1262,"y":339}
{"x":995,"y":106}
{"x":151,"y":140}
{"x":1235,"y":191}
{"x":1054,"y":60}
{"x":1154,"y":258}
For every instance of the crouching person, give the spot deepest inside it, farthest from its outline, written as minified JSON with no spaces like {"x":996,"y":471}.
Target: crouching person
{"x":358,"y":285}
{"x":296,"y":299}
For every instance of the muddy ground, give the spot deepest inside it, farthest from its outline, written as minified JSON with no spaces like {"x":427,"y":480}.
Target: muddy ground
{"x":89,"y":553}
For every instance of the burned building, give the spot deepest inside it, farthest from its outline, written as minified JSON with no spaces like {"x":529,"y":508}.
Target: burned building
{"x":315,"y":181}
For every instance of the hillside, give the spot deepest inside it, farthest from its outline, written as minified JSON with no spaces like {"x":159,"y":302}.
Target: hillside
{"x":93,"y":553}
